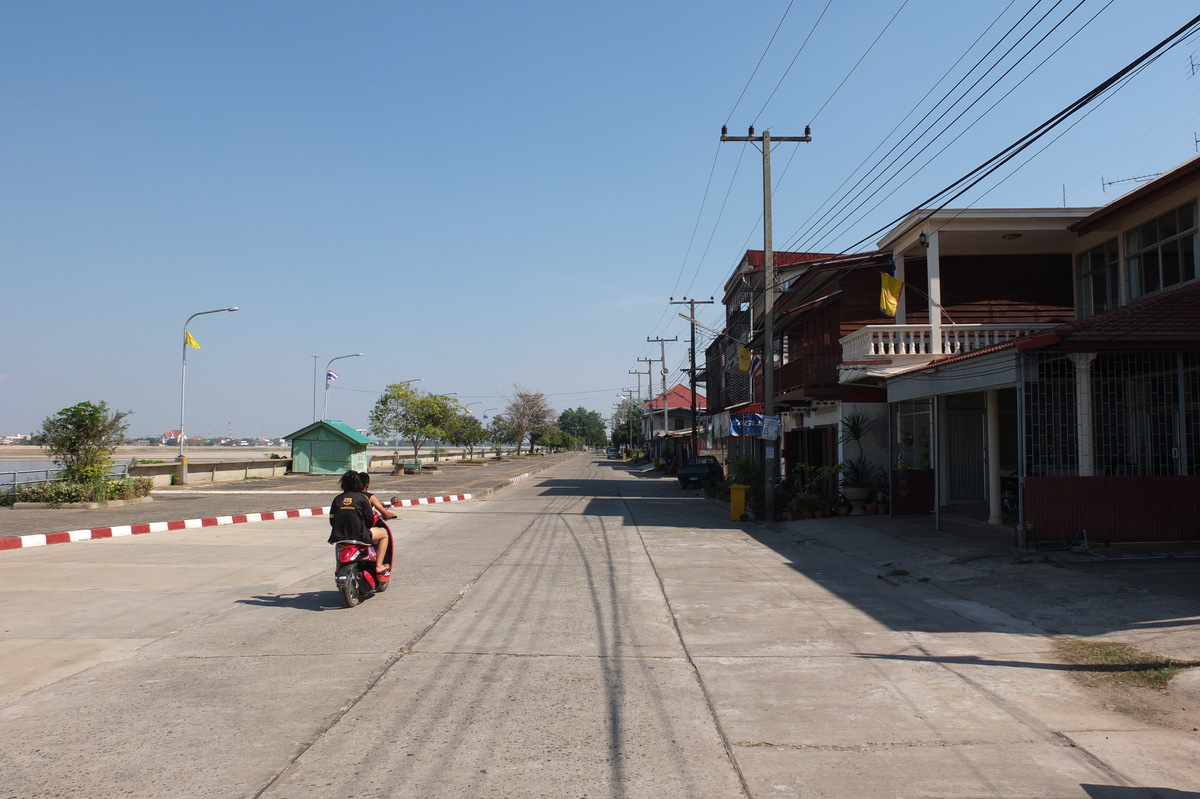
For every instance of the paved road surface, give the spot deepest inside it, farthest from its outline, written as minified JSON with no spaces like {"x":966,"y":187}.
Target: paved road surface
{"x":590,"y":632}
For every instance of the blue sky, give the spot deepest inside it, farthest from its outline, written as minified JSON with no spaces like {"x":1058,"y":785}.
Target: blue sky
{"x":476,"y":194}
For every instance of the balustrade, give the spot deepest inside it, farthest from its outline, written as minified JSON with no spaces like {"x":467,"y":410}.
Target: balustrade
{"x":888,"y":342}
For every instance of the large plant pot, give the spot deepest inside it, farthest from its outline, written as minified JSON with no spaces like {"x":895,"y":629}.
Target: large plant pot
{"x":857,"y":496}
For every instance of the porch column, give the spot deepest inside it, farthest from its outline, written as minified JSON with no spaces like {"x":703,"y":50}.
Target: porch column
{"x":1083,"y":411}
{"x":935,"y":293}
{"x":942,"y":473}
{"x":995,"y":511}
{"x":902,"y":303}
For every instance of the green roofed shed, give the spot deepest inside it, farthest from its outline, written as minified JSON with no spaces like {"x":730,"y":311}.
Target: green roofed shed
{"x":328,"y":447}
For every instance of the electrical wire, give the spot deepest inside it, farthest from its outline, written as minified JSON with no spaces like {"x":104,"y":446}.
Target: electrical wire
{"x":857,"y":63}
{"x":947,"y":145}
{"x":760,"y":59}
{"x":905,"y":118}
{"x":972,"y":178}
{"x":789,"y":67}
{"x":908,"y":135}
{"x":879,"y":182}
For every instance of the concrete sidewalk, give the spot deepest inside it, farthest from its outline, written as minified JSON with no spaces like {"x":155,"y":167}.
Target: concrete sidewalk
{"x":1145,"y":596}
{"x":207,"y":500}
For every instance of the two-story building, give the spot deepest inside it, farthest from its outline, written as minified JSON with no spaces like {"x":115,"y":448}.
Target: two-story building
{"x":1097,"y":416}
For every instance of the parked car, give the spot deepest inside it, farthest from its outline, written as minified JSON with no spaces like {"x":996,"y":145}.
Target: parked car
{"x":613,"y":452}
{"x":698,"y":469}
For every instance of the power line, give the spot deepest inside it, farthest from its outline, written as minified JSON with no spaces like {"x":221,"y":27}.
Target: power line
{"x":879,"y":181}
{"x":860,"y":60}
{"x":975,"y":176}
{"x":789,"y":67}
{"x":760,"y":59}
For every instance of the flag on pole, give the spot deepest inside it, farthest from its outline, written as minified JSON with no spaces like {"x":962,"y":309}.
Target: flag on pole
{"x":889,"y":294}
{"x":187,"y":339}
{"x":743,"y":361}
{"x":755,"y":366}
{"x":330,"y":375}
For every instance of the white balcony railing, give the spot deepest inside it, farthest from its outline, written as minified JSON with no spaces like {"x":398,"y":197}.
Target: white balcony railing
{"x":889,"y":342}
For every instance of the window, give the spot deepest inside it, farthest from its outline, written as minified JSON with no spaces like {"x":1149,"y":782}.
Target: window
{"x":1099,"y":279}
{"x":1162,"y":252}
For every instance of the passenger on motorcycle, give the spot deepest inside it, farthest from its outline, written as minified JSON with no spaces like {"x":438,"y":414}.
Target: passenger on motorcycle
{"x":352,"y":518}
{"x":383,"y":512}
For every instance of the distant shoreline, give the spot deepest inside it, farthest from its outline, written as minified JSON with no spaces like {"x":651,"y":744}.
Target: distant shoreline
{"x":26,"y":452}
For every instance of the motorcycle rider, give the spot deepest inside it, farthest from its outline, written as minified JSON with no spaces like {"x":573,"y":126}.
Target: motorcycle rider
{"x":352,"y":518}
{"x":383,"y":512}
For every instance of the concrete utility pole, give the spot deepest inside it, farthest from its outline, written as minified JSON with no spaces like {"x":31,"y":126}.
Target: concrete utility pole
{"x":649,"y":398}
{"x":692,"y":316}
{"x":639,"y":396}
{"x":662,"y":349}
{"x":771,"y":468}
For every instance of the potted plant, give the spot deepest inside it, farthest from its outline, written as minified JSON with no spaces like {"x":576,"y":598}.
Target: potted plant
{"x":858,"y":475}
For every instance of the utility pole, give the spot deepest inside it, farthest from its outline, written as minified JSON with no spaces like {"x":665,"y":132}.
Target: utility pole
{"x":649,"y":398}
{"x":639,"y":398}
{"x":692,"y":315}
{"x":662,"y":358}
{"x":771,"y":469}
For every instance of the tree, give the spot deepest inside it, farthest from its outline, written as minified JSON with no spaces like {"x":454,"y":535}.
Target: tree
{"x":528,"y":414}
{"x":627,"y":425}
{"x":466,"y":431}
{"x":82,"y":439}
{"x":500,"y":432}
{"x":412,"y":415}
{"x":586,"y":426}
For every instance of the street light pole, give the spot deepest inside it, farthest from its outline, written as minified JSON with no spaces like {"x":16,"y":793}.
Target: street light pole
{"x":189,"y":341}
{"x":325,"y":409}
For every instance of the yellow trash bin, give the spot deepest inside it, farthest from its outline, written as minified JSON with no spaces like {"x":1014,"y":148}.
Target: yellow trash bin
{"x":737,"y":501}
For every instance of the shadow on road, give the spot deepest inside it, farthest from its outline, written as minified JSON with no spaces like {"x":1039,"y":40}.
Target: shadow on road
{"x":307,"y":600}
{"x":1122,"y":792}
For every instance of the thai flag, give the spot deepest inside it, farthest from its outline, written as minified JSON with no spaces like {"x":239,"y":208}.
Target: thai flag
{"x":330,"y":375}
{"x":755,"y":366}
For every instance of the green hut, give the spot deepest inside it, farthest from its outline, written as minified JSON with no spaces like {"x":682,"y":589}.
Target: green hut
{"x":328,"y":447}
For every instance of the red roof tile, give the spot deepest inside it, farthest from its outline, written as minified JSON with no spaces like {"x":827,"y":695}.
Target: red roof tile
{"x":1171,"y":314}
{"x":678,"y":396}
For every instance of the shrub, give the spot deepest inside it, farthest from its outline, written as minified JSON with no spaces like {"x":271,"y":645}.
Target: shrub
{"x":61,"y":492}
{"x":83,"y":438}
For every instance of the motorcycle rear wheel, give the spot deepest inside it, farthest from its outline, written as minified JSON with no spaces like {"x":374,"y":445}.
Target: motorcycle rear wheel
{"x":351,"y":588}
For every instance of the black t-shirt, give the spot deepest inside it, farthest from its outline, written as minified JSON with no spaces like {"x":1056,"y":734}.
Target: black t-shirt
{"x":350,"y":517}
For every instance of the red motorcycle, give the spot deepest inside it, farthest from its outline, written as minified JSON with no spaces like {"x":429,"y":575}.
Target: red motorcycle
{"x":356,"y":571}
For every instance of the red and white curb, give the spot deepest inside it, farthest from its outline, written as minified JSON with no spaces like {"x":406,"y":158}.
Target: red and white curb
{"x":519,"y":478}
{"x":408,"y":503}
{"x":69,"y":536}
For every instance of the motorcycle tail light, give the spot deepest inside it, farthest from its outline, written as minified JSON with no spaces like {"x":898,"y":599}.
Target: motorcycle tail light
{"x":347,"y":554}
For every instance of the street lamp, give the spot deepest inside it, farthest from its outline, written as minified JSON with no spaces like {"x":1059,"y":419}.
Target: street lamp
{"x":325,"y":409}
{"x":467,"y":407}
{"x":188,"y":341}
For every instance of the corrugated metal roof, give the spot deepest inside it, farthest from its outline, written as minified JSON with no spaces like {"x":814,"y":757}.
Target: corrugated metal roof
{"x":341,"y":428}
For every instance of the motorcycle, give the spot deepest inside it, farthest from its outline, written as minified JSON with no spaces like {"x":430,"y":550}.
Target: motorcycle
{"x":356,"y":571}
{"x":1009,"y":493}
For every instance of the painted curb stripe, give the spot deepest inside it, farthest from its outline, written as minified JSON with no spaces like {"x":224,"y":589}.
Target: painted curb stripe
{"x":45,"y":539}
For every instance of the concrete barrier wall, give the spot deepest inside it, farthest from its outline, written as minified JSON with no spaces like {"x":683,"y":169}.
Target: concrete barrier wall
{"x":382,"y":462}
{"x":212,"y":471}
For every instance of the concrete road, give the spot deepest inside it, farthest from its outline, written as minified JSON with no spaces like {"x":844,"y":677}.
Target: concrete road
{"x":590,"y":632}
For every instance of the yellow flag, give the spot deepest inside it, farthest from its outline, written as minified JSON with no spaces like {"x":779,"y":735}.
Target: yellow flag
{"x":890,"y":294}
{"x":189,"y":340}
{"x":743,"y":361}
